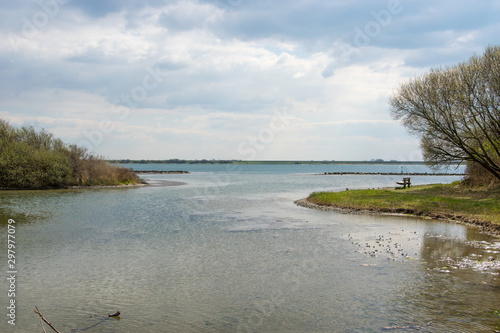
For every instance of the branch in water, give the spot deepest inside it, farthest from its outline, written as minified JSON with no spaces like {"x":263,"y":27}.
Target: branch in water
{"x":45,"y":320}
{"x":42,"y":319}
{"x":117,"y":313}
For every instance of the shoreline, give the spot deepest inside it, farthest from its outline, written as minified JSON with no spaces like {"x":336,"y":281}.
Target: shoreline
{"x":91,"y":187}
{"x":159,"y":183}
{"x":165,"y":183}
{"x":487,"y":227}
{"x":341,"y":173}
{"x":174,"y":172}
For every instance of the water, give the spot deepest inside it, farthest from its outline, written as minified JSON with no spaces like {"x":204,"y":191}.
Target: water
{"x":230,"y":252}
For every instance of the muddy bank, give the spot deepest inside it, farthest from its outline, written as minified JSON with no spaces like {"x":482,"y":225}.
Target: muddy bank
{"x":485,"y":226}
{"x":146,"y":183}
{"x":106,"y":186}
{"x":92,"y":187}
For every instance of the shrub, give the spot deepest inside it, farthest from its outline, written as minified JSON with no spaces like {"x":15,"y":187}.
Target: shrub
{"x":31,"y":159}
{"x":476,"y":175}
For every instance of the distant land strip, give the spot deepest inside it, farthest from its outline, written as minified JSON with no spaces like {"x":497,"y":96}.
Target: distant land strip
{"x":390,"y":173}
{"x":160,"y":171}
{"x":332,"y":162}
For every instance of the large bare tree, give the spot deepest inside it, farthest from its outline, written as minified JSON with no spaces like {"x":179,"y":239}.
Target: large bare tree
{"x":455,"y":111}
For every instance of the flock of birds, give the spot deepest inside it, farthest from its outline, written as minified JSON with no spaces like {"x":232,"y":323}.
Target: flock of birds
{"x":390,"y":247}
{"x":404,"y":246}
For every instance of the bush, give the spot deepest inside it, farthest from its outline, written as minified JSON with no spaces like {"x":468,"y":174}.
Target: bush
{"x":98,"y":172}
{"x":33,"y":160}
{"x":476,"y":175}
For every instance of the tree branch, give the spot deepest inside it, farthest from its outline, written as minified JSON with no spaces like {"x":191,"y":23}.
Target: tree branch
{"x":45,"y":320}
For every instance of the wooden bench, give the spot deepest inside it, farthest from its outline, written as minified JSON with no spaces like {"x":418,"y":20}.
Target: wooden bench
{"x":405,"y":182}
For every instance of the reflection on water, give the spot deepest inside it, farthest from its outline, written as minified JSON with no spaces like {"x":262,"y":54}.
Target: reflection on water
{"x":243,"y":258}
{"x":455,"y":286}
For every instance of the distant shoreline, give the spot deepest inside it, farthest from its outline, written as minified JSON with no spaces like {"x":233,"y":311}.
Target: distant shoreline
{"x":177,"y":161}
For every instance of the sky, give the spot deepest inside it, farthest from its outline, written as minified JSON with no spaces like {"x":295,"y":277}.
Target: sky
{"x":229,"y":79}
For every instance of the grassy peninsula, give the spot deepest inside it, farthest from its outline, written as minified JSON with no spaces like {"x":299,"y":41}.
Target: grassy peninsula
{"x":36,"y":160}
{"x":456,"y":201}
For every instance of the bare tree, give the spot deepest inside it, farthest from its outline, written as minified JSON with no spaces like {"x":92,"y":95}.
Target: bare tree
{"x":455,"y":111}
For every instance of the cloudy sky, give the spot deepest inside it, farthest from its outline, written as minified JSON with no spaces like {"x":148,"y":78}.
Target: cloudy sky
{"x":229,"y":79}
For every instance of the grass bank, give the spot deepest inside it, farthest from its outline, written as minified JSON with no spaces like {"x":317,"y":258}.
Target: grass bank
{"x":458,"y":202}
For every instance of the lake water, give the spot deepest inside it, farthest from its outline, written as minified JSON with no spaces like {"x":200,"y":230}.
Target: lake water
{"x":230,"y":252}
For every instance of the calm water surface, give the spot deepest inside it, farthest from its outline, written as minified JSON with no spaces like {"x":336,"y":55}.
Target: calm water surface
{"x":230,"y":252}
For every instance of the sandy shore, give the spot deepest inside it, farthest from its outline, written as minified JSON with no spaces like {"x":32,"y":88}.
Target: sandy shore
{"x":163,"y":183}
{"x":161,"y":172}
{"x":485,"y":226}
{"x":147,"y":183}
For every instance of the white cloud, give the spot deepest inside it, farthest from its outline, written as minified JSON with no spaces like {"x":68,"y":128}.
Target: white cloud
{"x":223,"y":71}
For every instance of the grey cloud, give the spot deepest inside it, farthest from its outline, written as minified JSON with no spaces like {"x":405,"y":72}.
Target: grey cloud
{"x":186,"y":16}
{"x":101,"y":8}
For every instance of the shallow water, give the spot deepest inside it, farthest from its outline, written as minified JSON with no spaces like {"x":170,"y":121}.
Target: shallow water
{"x":230,"y":252}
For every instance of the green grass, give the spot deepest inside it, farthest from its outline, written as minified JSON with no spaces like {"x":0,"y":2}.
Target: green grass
{"x":450,"y":201}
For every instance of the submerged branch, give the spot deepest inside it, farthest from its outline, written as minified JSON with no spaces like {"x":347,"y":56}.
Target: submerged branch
{"x":45,"y":320}
{"x":42,"y":319}
{"x":41,"y":323}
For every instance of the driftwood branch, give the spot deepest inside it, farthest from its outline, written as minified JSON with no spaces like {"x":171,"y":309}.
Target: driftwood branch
{"x":42,"y":319}
{"x":41,"y":323}
{"x":45,"y":320}
{"x":115,"y":314}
